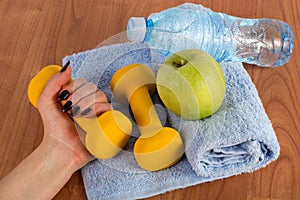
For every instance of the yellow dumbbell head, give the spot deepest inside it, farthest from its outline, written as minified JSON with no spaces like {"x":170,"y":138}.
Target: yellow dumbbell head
{"x":159,"y":151}
{"x":39,"y":82}
{"x":106,"y":134}
{"x":129,"y":78}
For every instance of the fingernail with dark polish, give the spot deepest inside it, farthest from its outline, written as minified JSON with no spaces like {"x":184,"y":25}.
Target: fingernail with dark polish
{"x":63,"y":95}
{"x":71,"y":117}
{"x":68,"y":106}
{"x":65,"y":67}
{"x":75,"y":110}
{"x":86,"y":111}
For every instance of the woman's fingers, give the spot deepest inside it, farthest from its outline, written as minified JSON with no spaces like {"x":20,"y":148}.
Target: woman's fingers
{"x":71,"y":87}
{"x":84,"y":103}
{"x":91,"y":105}
{"x":82,"y":98}
{"x":95,"y":110}
{"x":75,"y":91}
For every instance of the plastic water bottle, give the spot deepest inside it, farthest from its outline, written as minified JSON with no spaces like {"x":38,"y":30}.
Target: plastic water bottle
{"x":263,"y":42}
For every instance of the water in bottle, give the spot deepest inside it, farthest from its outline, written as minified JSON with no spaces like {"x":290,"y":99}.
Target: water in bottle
{"x":263,"y":42}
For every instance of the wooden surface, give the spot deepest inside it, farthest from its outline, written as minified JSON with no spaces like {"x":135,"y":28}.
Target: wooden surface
{"x":36,"y":33}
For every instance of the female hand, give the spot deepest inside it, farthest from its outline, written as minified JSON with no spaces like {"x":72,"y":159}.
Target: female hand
{"x":82,"y":99}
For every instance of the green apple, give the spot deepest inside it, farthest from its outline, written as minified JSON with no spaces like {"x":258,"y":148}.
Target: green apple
{"x":191,"y":84}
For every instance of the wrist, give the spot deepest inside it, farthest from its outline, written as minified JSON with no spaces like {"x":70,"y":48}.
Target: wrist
{"x":41,"y":175}
{"x":59,"y":156}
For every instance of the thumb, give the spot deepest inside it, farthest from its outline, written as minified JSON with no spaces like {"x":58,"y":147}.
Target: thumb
{"x":54,"y":85}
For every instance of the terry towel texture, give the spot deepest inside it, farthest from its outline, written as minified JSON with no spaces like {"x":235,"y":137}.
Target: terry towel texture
{"x":238,"y":138}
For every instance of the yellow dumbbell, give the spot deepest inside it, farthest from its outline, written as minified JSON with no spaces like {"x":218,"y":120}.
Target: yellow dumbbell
{"x":106,"y":135}
{"x":158,"y":147}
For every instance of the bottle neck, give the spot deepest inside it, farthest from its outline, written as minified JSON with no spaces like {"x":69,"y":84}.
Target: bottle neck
{"x":149,"y":23}
{"x":149,"y":27}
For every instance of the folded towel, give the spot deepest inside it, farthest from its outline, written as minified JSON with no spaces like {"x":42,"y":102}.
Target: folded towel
{"x":238,"y":138}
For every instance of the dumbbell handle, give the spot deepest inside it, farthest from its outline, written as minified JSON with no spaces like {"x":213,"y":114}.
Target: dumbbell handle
{"x":144,"y":112}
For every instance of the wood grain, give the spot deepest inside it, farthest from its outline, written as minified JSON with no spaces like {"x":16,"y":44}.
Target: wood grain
{"x":36,"y":33}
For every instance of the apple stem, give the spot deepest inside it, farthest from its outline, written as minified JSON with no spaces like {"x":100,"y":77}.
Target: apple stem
{"x":182,"y":62}
{"x":179,"y":64}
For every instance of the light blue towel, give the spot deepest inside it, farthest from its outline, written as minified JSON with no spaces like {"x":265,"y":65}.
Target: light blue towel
{"x":238,"y":138}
